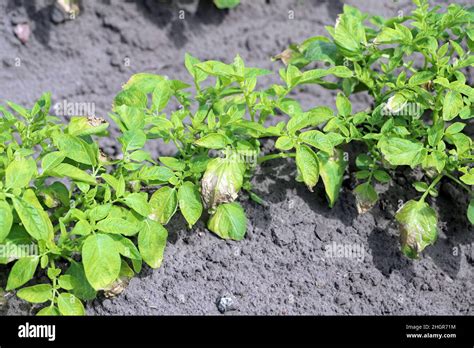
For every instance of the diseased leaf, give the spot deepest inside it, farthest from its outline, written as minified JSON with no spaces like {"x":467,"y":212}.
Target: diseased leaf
{"x":418,"y":228}
{"x":163,"y":203}
{"x":366,"y":197}
{"x":221,"y":181}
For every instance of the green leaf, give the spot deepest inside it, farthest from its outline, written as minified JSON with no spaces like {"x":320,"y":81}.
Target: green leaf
{"x":101,"y":260}
{"x":138,"y":202}
{"x":20,"y":172}
{"x":6,"y":220}
{"x":155,"y":173}
{"x":173,"y":163}
{"x":52,"y":160}
{"x":190,"y":202}
{"x":462,"y":142}
{"x":229,"y":221}
{"x":418,"y":229}
{"x":152,"y":242}
{"x":80,"y":285}
{"x":67,"y":170}
{"x":117,"y":226}
{"x":317,"y":139}
{"x":470,"y":211}
{"x":197,"y":74}
{"x":49,"y":311}
{"x":77,"y":149}
{"x":388,"y":36}
{"x":398,"y":151}
{"x":22,"y":271}
{"x":382,"y":176}
{"x":284,"y":143}
{"x":312,"y":118}
{"x":34,"y":219}
{"x":36,"y":293}
{"x":144,"y":82}
{"x":163,"y":203}
{"x":322,"y":51}
{"x":226,"y":4}
{"x":366,"y":197}
{"x":65,"y":282}
{"x":331,"y":169}
{"x":456,"y":127}
{"x":221,"y":181}
{"x":131,"y":97}
{"x":307,"y":164}
{"x":133,"y":139}
{"x":452,"y":105}
{"x":212,"y":141}
{"x":69,"y":304}
{"x":161,"y":95}
{"x":343,"y":105}
{"x":421,"y":77}
{"x":349,"y":34}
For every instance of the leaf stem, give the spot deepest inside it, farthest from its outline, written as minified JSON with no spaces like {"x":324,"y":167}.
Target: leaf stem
{"x":433,"y":184}
{"x":459,"y":182}
{"x":275,"y":156}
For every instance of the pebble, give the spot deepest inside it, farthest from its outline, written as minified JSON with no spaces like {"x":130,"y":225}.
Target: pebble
{"x":226,"y":304}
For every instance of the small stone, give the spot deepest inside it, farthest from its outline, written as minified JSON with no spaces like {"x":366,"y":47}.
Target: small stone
{"x":22,"y":32}
{"x":226,"y":304}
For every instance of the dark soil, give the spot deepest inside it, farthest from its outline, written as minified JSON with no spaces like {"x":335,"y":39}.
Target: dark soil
{"x":282,"y":266}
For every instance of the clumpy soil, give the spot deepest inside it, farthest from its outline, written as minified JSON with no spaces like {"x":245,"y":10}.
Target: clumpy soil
{"x":282,"y":266}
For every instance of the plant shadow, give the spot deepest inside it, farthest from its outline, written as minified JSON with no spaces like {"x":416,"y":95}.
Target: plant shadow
{"x":181,"y":17}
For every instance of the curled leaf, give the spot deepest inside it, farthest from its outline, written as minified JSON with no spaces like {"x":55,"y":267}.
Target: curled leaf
{"x":366,"y":197}
{"x":418,"y":229}
{"x":222,"y":181}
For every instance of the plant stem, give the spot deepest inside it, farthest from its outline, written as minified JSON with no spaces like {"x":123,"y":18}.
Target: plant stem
{"x":459,"y":182}
{"x":433,"y":184}
{"x":275,"y":156}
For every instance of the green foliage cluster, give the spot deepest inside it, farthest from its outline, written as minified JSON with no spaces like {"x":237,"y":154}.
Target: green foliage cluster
{"x":92,"y":221}
{"x":420,"y":111}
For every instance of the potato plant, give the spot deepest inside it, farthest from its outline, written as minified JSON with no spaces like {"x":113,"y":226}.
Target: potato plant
{"x":88,"y":221}
{"x":413,"y":67}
